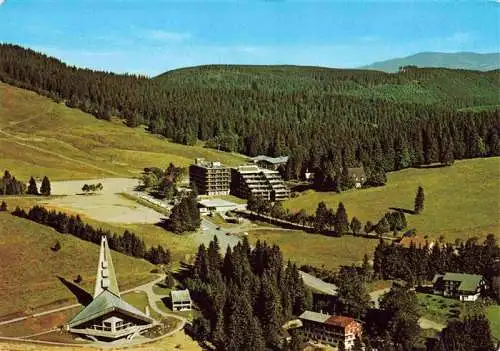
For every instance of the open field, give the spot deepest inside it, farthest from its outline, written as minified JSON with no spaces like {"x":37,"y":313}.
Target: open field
{"x":438,"y":309}
{"x":317,"y":250}
{"x":182,"y":246}
{"x":461,"y":201}
{"x":493,"y":313}
{"x":33,"y":277}
{"x":40,"y":137}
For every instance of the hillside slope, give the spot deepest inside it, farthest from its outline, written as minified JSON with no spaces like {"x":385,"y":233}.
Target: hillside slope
{"x":459,"y":60}
{"x":30,"y":280}
{"x":40,"y":137}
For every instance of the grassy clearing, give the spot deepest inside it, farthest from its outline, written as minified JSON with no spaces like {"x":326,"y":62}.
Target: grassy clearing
{"x":38,"y":324}
{"x":493,"y":314}
{"x":317,"y":250}
{"x":438,"y":308}
{"x":30,"y":280}
{"x":139,"y":300}
{"x":182,"y":246}
{"x":460,"y":201}
{"x":40,"y":137}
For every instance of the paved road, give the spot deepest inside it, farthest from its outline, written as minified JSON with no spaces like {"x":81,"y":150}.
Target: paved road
{"x":318,"y":284}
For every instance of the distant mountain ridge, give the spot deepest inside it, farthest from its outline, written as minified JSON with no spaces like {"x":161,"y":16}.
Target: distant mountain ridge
{"x":458,"y":60}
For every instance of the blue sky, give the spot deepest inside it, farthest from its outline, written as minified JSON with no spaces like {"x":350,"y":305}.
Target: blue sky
{"x":152,"y":36}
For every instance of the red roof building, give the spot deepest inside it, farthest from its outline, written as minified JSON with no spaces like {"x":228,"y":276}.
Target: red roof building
{"x":331,"y":330}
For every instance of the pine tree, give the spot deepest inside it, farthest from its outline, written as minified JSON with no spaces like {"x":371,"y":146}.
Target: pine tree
{"x":32,"y":188}
{"x":3,"y":207}
{"x":355,"y":225}
{"x":419,"y":200}
{"x":45,"y":187}
{"x":341,"y":220}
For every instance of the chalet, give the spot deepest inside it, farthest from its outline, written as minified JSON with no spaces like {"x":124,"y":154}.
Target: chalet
{"x":109,"y":317}
{"x":181,"y":300}
{"x":330,"y":330}
{"x":466,"y":287}
{"x":357,"y":174}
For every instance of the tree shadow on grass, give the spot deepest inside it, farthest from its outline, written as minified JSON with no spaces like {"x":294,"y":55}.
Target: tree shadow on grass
{"x":82,"y":296}
{"x":405,"y":210}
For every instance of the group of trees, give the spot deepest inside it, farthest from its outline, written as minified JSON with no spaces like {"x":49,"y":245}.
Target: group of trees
{"x":87,"y":188}
{"x":326,"y":120}
{"x":419,"y":264}
{"x":245,"y":296}
{"x":327,"y":220}
{"x":9,"y":185}
{"x":185,"y":216}
{"x":471,"y":334}
{"x":162,"y":183}
{"x":44,"y":188}
{"x":127,"y":243}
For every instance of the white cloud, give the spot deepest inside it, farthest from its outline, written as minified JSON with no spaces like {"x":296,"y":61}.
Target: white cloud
{"x":161,"y":35}
{"x":2,"y":2}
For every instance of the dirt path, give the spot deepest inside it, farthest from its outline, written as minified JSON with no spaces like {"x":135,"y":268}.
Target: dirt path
{"x":425,"y":323}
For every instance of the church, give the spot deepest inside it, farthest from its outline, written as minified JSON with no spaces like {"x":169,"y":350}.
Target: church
{"x":108,"y":317}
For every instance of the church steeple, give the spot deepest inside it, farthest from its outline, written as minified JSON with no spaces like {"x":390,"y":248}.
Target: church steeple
{"x":106,"y":277}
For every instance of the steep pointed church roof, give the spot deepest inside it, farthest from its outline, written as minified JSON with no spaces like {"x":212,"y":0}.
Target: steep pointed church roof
{"x":106,"y":293}
{"x":106,"y":276}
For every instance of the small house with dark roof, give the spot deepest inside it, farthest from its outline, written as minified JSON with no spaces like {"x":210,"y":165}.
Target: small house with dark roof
{"x":330,"y":330}
{"x":358,"y":176}
{"x":108,"y":317}
{"x":466,"y":287}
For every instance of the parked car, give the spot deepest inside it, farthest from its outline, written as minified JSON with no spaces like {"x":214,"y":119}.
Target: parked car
{"x":218,"y":228}
{"x":227,"y":233}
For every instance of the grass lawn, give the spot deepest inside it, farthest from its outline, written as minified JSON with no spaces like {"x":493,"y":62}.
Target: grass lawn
{"x":139,"y":300}
{"x":493,"y":314}
{"x":317,"y":250}
{"x":161,"y":290}
{"x":40,"y":137}
{"x":461,"y":201}
{"x":32,"y":273}
{"x":438,"y":308}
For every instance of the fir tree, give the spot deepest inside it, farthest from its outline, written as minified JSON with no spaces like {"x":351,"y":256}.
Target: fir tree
{"x":355,"y":225}
{"x":32,"y":188}
{"x":45,"y":187}
{"x":341,"y":220}
{"x":3,"y":207}
{"x":419,"y":201}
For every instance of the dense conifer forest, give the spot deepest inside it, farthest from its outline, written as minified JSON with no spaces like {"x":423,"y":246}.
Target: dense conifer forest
{"x":325,"y":119}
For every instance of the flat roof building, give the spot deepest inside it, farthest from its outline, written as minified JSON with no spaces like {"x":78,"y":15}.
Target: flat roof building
{"x":108,"y":316}
{"x":272,"y":163}
{"x":216,"y":205}
{"x":210,"y":178}
{"x":181,"y":300}
{"x":252,"y":180}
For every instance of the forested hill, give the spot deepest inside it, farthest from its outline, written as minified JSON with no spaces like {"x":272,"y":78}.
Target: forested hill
{"x":325,"y":119}
{"x":425,"y":85}
{"x":460,"y":60}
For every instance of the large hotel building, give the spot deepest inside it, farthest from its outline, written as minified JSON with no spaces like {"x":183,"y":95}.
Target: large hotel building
{"x":210,"y":178}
